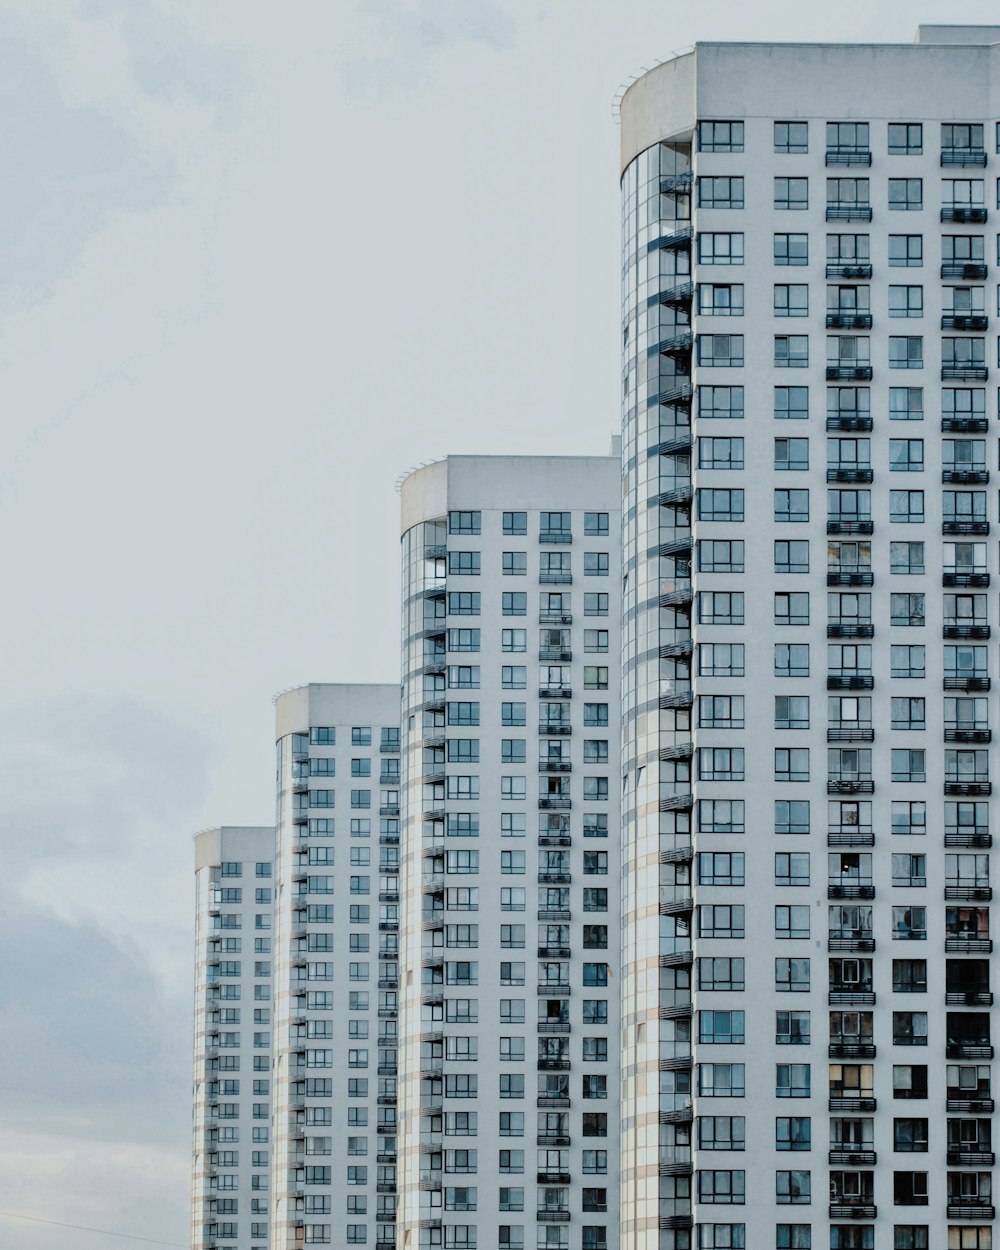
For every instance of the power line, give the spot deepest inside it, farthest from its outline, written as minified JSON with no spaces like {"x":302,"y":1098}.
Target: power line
{"x":107,"y":1232}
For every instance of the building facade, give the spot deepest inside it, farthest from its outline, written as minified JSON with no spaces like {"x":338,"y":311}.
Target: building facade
{"x":810,"y":299}
{"x":336,"y":966}
{"x":232,"y":1057}
{"x":508,"y":1030}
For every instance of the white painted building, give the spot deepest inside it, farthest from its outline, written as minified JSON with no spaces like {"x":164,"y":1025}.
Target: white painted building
{"x":810,"y":449}
{"x":336,"y":966}
{"x":233,"y":1031}
{"x":509,"y":961}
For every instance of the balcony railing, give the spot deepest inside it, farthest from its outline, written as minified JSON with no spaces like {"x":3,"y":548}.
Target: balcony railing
{"x":970,"y":1209}
{"x":843,"y":319}
{"x":960,"y":577}
{"x":853,"y":473}
{"x":971,"y":475}
{"x":849,"y":156}
{"x":964,"y":373}
{"x":971,"y":835}
{"x":966,"y":734}
{"x":964,"y":525}
{"x":850,"y":422}
{"x":850,"y":681}
{"x":848,"y":372}
{"x":970,"y":270}
{"x":964,"y":321}
{"x":850,"y":889}
{"x":970,"y":1158}
{"x":852,"y":1157}
{"x":962,"y":944}
{"x":854,"y":734}
{"x":848,"y":212}
{"x":850,"y":629}
{"x":974,"y":1104}
{"x":849,"y":577}
{"x":968,"y":998}
{"x":851,"y":1050}
{"x":969,"y":1050}
{"x":848,"y":269}
{"x":964,"y":425}
{"x":967,"y":213}
{"x":855,"y":997}
{"x":851,"y":837}
{"x":854,"y":1209}
{"x":967,"y":789}
{"x":963,"y":158}
{"x":968,"y":893}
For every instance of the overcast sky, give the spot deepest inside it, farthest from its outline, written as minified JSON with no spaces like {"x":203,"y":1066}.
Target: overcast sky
{"x":257,"y":259}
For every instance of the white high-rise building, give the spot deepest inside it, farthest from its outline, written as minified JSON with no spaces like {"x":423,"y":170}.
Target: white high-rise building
{"x":232,"y":1057}
{"x":336,"y":965}
{"x":509,"y":954}
{"x":810,"y":428}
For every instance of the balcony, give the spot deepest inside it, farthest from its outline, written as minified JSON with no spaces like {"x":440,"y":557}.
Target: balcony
{"x":850,"y":577}
{"x":554,"y":913}
{"x":848,"y":373}
{"x":849,"y":156}
{"x":856,"y":997}
{"x":555,"y":654}
{"x":552,"y":1139}
{"x":850,"y":837}
{"x":850,"y":681}
{"x":852,"y":1157}
{"x":964,"y":373}
{"x":970,"y":1209}
{"x":971,"y":836}
{"x":849,"y":525}
{"x":844,"y":320}
{"x":555,"y":839}
{"x":676,"y":184}
{"x":678,"y":295}
{"x":554,"y":989}
{"x":967,"y":789}
{"x":959,"y":944}
{"x":977,"y":681}
{"x":962,"y":1105}
{"x":968,"y":893}
{"x":553,"y":1065}
{"x":850,"y":629}
{"x":850,"y":422}
{"x":678,"y":238}
{"x":964,"y":425}
{"x":969,"y":1050}
{"x":965,"y":629}
{"x":676,"y":395}
{"x":970,"y":270}
{"x":965,"y":525}
{"x":851,"y":1050}
{"x":858,"y":945}
{"x":965,"y":214}
{"x":551,"y":877}
{"x":848,"y":212}
{"x":554,"y":803}
{"x":554,"y":766}
{"x":555,"y":692}
{"x":956,"y":578}
{"x":850,"y":785}
{"x":677,"y":343}
{"x":968,"y":998}
{"x":964,"y":321}
{"x":855,"y":734}
{"x":553,"y":1026}
{"x":967,"y":735}
{"x":853,"y":1209}
{"x":554,"y":952}
{"x":963,"y":158}
{"x":854,"y":473}
{"x":970,"y":1158}
{"x":850,"y":889}
{"x":565,"y":536}
{"x":965,"y":477}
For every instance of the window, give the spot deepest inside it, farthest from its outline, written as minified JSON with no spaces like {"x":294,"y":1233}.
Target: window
{"x":723,"y":973}
{"x":791,"y":193}
{"x":790,"y":249}
{"x":906,"y":251}
{"x":721,"y":1132}
{"x":909,"y":1028}
{"x":595,"y":603}
{"x":791,"y":976}
{"x":720,"y":816}
{"x":906,"y":557}
{"x":720,"y":402}
{"x":791,"y":555}
{"x":515,"y":563}
{"x":595,"y":564}
{"x":720,"y":453}
{"x":791,"y":137}
{"x":722,"y":1186}
{"x":514,"y":603}
{"x":790,"y":454}
{"x":791,"y":659}
{"x":721,"y":920}
{"x":715,"y":607}
{"x":791,"y":921}
{"x":908,"y":713}
{"x":791,"y":506}
{"x":906,"y":352}
{"x":790,"y":608}
{"x":909,"y":976}
{"x":793,"y":1187}
{"x":720,"y":136}
{"x":722,"y":1080}
{"x":906,"y":507}
{"x":720,"y":555}
{"x":908,"y":764}
{"x":909,"y":924}
{"x":791,"y":764}
{"x":791,"y":816}
{"x":792,"y":1080}
{"x":906,"y":138}
{"x":905,"y":301}
{"x":512,"y":639}
{"x":720,"y":299}
{"x":792,"y":1028}
{"x":720,"y":868}
{"x":515,"y":523}
{"x":720,"y":659}
{"x":906,"y":661}
{"x":595,"y":523}
{"x":721,"y":248}
{"x":719,"y":505}
{"x":791,"y":868}
{"x":791,"y":351}
{"x":721,"y":764}
{"x":906,"y":194}
{"x":464,"y":522}
{"x":906,"y":455}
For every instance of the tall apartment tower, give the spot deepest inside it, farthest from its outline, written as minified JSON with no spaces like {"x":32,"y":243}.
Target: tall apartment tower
{"x":232,"y":1057}
{"x":509,"y":955}
{"x":810,"y":303}
{"x":336,"y":966}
